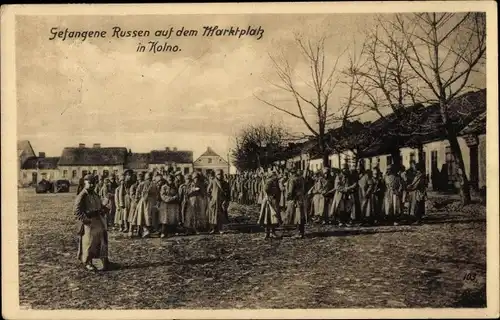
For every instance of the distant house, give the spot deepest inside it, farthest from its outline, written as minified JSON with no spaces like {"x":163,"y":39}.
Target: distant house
{"x":76,"y":162}
{"x":171,"y":160}
{"x":211,"y":161}
{"x":24,"y":152}
{"x":36,"y":169}
{"x":430,"y":146}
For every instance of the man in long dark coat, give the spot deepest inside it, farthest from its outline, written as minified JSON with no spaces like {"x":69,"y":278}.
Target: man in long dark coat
{"x":92,"y":231}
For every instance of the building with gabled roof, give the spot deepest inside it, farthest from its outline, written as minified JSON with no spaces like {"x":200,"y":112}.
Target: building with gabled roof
{"x":24,"y":152}
{"x":210,"y":161}
{"x":36,"y":169}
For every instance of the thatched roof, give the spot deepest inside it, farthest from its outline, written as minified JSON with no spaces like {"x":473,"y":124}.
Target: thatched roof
{"x":476,"y":126}
{"x":93,"y":156}
{"x":137,"y":161}
{"x":34,"y":163}
{"x":166,"y":156}
{"x":419,"y":124}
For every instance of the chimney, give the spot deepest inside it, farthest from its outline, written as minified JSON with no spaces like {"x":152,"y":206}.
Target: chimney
{"x":41,"y":154}
{"x":175,"y":149}
{"x":81,"y":145}
{"x":167,"y":149}
{"x":97,"y":145}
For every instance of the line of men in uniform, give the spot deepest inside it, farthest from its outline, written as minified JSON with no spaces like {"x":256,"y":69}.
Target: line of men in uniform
{"x":145,"y":202}
{"x":341,"y":197}
{"x":142,"y":203}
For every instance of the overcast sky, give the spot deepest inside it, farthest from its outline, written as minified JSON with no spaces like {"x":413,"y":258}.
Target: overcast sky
{"x":102,"y":90}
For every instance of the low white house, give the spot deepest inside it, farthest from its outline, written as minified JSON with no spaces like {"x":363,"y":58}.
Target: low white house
{"x":36,"y":169}
{"x":210,"y":161}
{"x":76,"y":162}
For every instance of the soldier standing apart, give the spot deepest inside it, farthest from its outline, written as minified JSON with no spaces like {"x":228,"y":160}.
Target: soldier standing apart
{"x":219,"y":193}
{"x":93,"y":236}
{"x":295,"y":203}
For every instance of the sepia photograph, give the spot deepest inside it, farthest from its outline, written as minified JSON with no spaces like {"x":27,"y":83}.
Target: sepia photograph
{"x":272,"y":157}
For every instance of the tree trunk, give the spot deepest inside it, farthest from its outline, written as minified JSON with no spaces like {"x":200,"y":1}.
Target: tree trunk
{"x":324,"y":152}
{"x":325,"y":160}
{"x":455,"y":149}
{"x":457,"y":153}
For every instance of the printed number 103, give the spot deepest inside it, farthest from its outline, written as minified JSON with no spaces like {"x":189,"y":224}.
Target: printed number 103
{"x":470,"y":276}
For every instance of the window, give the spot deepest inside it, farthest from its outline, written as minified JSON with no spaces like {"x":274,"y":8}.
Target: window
{"x":209,"y":160}
{"x":73,"y":175}
{"x":105,"y":173}
{"x":389,"y":160}
{"x":186,"y":170}
{"x":44,"y":175}
{"x":94,"y":172}
{"x":434,"y":160}
{"x":412,"y":157}
{"x":84,"y":173}
{"x":65,"y":173}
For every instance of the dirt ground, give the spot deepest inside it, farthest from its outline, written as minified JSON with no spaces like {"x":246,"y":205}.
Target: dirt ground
{"x":371,"y":267}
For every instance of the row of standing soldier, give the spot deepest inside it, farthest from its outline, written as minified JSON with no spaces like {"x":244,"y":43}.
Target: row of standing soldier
{"x":334,"y":197}
{"x":146,"y":203}
{"x":142,"y":203}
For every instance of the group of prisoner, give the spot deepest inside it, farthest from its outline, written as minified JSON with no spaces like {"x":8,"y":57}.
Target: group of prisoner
{"x":143,"y":203}
{"x":340,"y":197}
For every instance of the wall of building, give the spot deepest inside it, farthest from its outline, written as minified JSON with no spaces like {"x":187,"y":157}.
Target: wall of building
{"x":210,"y":163}
{"x":206,"y":169}
{"x":440,"y":148}
{"x":381,"y":161}
{"x":66,"y":172}
{"x":337,"y":160}
{"x":26,"y":175}
{"x":185,"y":168}
{"x":407,"y":155}
{"x":300,"y":162}
{"x":482,"y":161}
{"x":316,"y":165}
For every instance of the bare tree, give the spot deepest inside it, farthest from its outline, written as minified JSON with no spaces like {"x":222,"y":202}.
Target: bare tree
{"x":385,"y":83}
{"x":443,"y":50}
{"x":258,"y":146}
{"x":313,"y":104}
